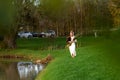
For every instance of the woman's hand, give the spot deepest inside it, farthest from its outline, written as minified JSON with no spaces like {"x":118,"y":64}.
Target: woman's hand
{"x":75,"y":40}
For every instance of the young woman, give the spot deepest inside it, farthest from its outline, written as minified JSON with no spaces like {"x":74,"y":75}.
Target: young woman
{"x":71,"y":42}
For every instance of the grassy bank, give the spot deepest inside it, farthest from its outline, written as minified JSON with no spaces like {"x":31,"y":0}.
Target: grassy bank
{"x":95,"y":62}
{"x":97,"y":59}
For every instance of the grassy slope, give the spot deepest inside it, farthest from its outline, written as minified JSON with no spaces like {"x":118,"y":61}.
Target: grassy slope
{"x":95,"y":62}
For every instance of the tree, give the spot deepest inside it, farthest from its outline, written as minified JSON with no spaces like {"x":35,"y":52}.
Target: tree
{"x":60,"y":15}
{"x":15,"y":13}
{"x":8,"y":23}
{"x":114,"y":8}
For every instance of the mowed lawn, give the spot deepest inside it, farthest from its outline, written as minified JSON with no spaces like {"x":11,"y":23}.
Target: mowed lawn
{"x":97,"y":58}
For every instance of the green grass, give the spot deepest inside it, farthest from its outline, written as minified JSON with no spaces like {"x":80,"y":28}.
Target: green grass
{"x":41,"y":43}
{"x":97,"y":58}
{"x":95,"y":62}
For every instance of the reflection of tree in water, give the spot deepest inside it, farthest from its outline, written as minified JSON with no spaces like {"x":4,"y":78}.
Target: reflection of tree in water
{"x":8,"y":71}
{"x":28,"y":70}
{"x":19,"y":71}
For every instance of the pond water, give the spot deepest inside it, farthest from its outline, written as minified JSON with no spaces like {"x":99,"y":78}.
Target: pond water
{"x":19,"y":70}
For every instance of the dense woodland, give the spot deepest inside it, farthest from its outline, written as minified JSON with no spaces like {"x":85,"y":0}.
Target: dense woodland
{"x":82,"y":16}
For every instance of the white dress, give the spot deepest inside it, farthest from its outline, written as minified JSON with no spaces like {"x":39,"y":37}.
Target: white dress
{"x":72,"y":47}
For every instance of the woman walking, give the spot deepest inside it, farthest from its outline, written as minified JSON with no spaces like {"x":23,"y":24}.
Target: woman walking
{"x":71,"y":40}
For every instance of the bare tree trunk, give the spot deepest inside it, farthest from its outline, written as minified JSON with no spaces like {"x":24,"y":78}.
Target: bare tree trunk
{"x":9,"y":42}
{"x":57,"y":26}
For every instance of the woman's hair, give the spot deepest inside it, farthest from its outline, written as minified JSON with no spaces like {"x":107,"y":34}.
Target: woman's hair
{"x":72,"y":31}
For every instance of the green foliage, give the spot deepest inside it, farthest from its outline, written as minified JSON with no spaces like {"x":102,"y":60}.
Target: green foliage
{"x":7,"y":15}
{"x":54,"y":8}
{"x":7,"y":12}
{"x":98,"y":15}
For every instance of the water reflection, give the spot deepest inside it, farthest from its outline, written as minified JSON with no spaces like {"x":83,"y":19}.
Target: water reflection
{"x":19,"y":70}
{"x":8,"y":71}
{"x":28,"y":70}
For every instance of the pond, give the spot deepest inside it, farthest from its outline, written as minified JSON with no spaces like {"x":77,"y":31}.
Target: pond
{"x":19,"y":70}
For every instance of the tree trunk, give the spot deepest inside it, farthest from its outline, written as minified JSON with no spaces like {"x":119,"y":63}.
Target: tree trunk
{"x":9,"y":42}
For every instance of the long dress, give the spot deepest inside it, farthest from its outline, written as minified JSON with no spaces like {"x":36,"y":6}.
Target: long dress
{"x":72,"y":47}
